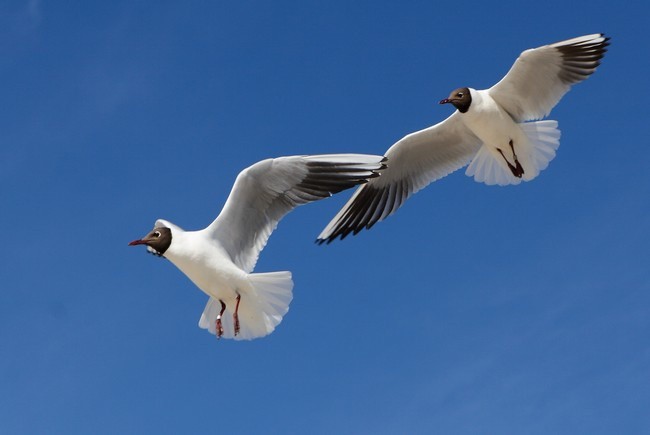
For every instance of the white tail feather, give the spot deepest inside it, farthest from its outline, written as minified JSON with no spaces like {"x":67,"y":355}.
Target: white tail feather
{"x":260,"y":310}
{"x":545,"y":138}
{"x":489,"y":167}
{"x":486,"y":168}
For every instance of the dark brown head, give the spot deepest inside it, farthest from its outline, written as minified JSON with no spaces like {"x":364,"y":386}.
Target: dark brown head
{"x":460,"y":98}
{"x":157,"y":241}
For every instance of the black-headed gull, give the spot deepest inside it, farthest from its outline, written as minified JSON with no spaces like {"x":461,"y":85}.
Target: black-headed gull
{"x":219,"y":259}
{"x":488,"y":130}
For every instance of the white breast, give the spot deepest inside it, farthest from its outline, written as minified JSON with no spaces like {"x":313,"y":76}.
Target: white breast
{"x":489,"y":122}
{"x":533,"y":144}
{"x":206,"y":264}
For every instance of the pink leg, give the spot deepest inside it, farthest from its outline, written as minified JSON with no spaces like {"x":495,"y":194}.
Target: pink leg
{"x":219,"y":326}
{"x":235,"y":316}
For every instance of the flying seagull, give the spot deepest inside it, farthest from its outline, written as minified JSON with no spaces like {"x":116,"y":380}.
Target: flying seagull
{"x":219,"y":259}
{"x":488,"y":130}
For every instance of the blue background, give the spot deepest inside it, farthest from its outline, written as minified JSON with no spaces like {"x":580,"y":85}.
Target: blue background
{"x":474,"y":309}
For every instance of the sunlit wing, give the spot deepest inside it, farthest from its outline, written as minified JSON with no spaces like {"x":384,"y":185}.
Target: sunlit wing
{"x":413,"y":162}
{"x":268,"y":190}
{"x":541,"y":76}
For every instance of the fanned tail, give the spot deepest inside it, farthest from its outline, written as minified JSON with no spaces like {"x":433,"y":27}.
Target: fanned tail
{"x":544,"y":136}
{"x":487,"y":168}
{"x":260,"y":310}
{"x":543,"y":141}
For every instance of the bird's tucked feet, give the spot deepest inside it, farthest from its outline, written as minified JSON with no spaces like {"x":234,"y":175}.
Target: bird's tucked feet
{"x":219,"y":325}
{"x":519,"y":168}
{"x":235,"y":316}
{"x":516,"y":169}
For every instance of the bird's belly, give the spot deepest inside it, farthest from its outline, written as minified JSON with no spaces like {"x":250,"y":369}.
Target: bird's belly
{"x":495,"y":128}
{"x":218,"y":282}
{"x":504,"y":139}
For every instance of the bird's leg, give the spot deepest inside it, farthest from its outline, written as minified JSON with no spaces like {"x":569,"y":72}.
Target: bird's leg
{"x":518,"y":165}
{"x":515,"y":171}
{"x":235,"y":316}
{"x":219,"y":325}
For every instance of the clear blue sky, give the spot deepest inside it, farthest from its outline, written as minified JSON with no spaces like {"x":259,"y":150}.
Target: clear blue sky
{"x":474,"y":309}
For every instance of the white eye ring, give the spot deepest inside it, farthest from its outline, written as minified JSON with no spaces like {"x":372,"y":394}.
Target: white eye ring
{"x":157,"y":234}
{"x":460,"y":94}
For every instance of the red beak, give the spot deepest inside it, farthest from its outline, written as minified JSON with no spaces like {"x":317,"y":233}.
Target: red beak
{"x":137,"y":242}
{"x":445,"y":101}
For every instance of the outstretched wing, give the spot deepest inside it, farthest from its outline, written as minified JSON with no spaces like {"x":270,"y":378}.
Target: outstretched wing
{"x":413,"y":162}
{"x":268,"y":190}
{"x":541,"y":76}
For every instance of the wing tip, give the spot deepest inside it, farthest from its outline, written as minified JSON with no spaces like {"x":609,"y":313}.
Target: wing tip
{"x":597,"y":39}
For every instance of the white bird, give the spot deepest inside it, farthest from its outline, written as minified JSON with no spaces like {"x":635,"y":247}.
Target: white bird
{"x":489,"y":129}
{"x":219,"y":259}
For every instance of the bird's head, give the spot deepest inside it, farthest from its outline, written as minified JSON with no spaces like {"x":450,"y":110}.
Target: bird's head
{"x":461,"y":98}
{"x":157,"y":241}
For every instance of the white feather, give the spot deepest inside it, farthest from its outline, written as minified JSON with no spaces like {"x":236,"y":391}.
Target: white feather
{"x":533,"y":86}
{"x":414,"y":161}
{"x":220,"y":258}
{"x":261,"y":314}
{"x":543,"y":140}
{"x":541,"y":76}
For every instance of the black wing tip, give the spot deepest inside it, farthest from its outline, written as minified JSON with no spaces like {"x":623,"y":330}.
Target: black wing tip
{"x":346,"y":229}
{"x":361,"y":214}
{"x":601,"y":45}
{"x":342,"y":233}
{"x":582,"y":58}
{"x":345,"y":164}
{"x":326,"y":240}
{"x":588,"y":44}
{"x":606,"y":43}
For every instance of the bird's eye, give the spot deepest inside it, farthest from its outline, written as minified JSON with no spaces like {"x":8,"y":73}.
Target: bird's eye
{"x":157,"y":234}
{"x":459,"y":95}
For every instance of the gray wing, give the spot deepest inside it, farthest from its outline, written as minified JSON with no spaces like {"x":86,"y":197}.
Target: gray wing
{"x":541,"y":76}
{"x":413,"y":162}
{"x":268,"y":190}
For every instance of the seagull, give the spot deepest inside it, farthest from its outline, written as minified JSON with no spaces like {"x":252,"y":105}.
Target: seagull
{"x":489,"y":130}
{"x":220,"y":258}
